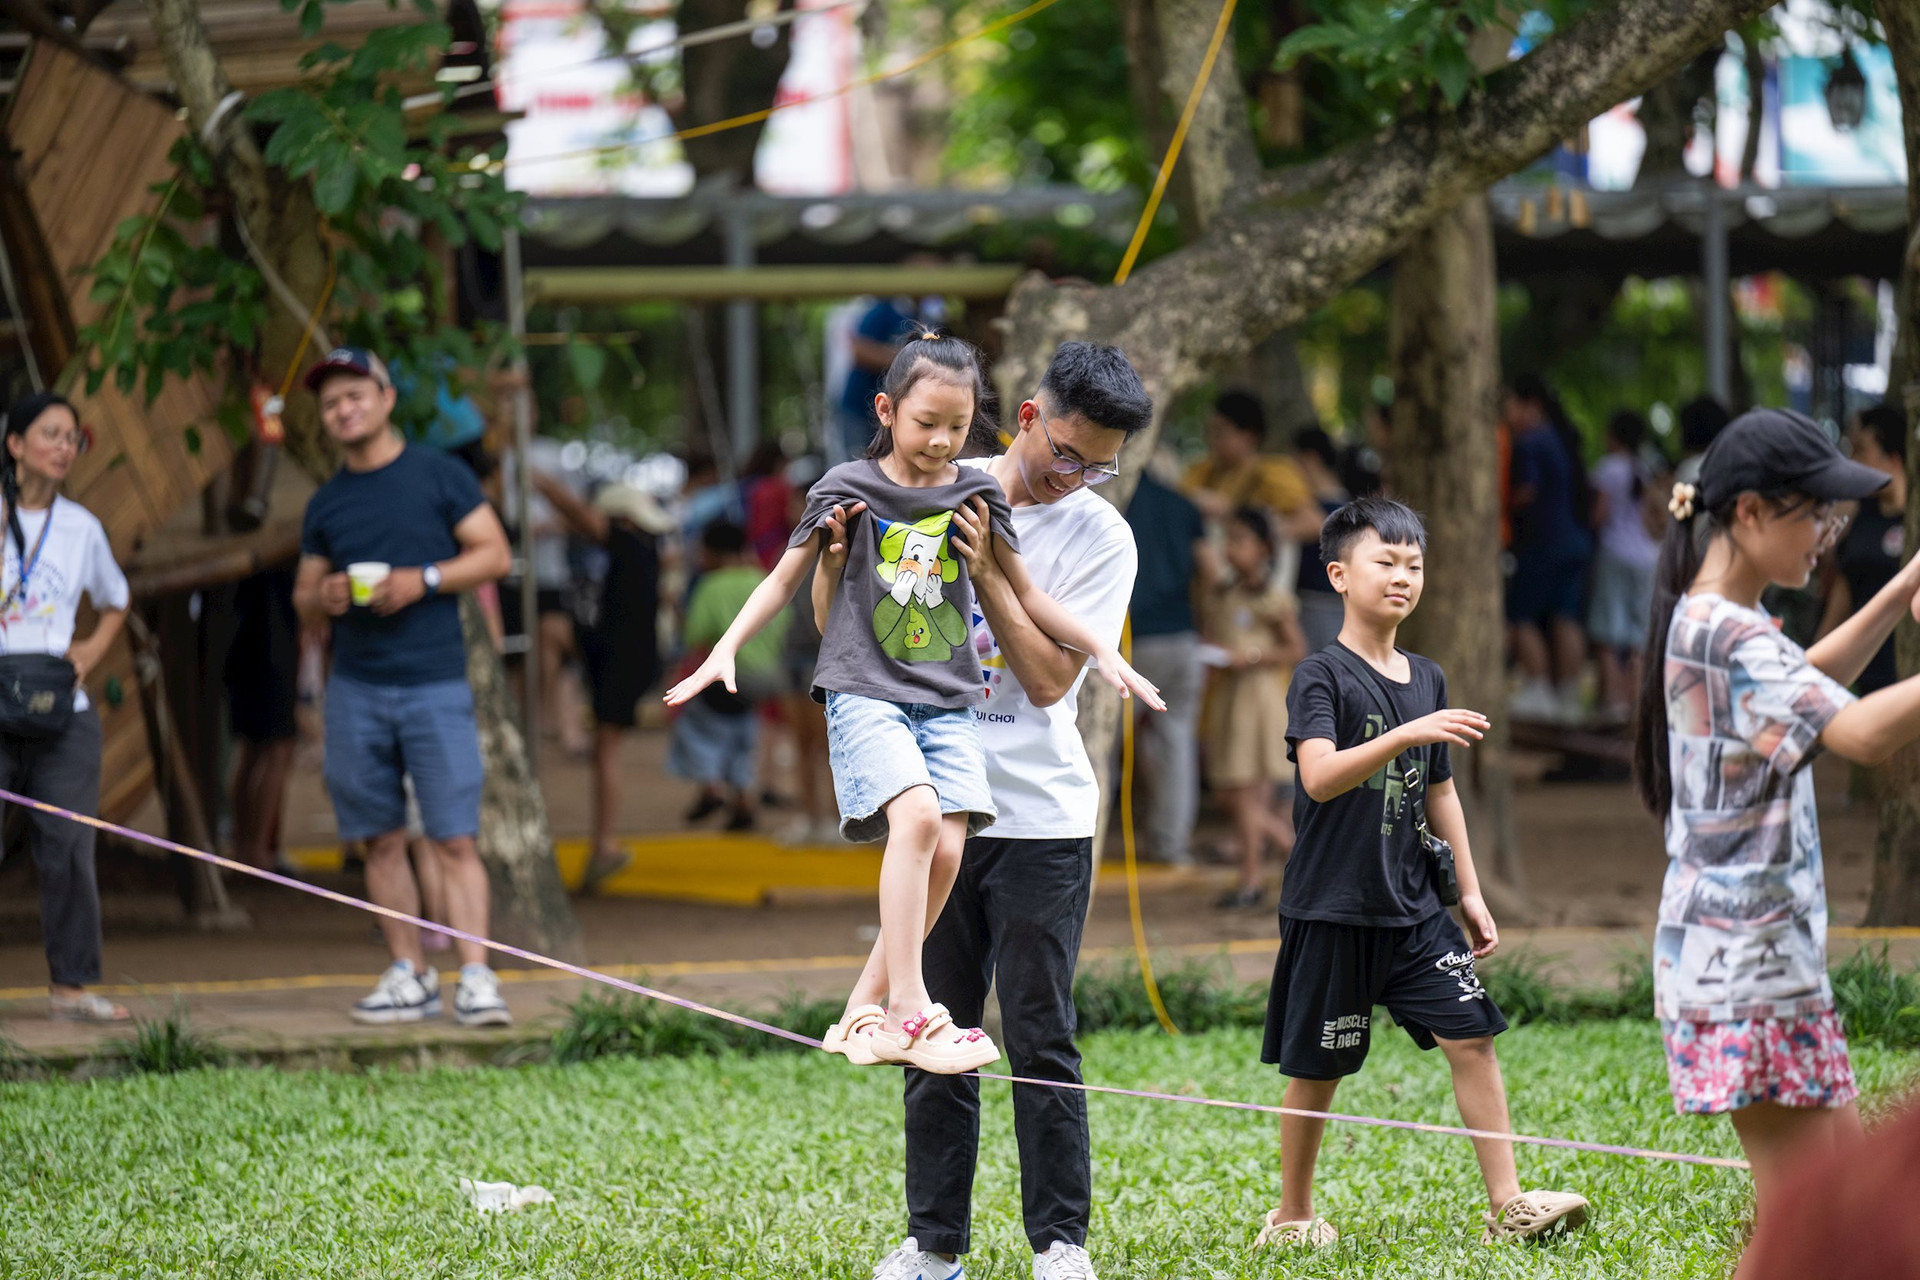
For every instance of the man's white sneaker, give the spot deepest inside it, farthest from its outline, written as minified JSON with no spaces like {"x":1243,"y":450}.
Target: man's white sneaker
{"x":477,"y":1002}
{"x":401,"y":995}
{"x":911,"y":1262}
{"x":1063,"y":1261}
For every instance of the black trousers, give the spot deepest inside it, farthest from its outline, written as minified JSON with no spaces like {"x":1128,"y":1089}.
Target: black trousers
{"x":64,"y":771}
{"x":1016,"y":914}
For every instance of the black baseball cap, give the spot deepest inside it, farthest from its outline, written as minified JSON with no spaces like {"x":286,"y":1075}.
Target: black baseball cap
{"x":1780,"y":449}
{"x":355,"y":360}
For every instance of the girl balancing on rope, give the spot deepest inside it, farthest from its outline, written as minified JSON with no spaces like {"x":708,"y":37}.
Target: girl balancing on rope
{"x":1726,"y":730}
{"x":899,"y":674}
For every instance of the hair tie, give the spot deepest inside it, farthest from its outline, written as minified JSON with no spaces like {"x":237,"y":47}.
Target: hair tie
{"x":1681,"y":503}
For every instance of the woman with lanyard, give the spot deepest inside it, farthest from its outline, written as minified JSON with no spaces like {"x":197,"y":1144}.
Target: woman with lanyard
{"x":49,"y":734}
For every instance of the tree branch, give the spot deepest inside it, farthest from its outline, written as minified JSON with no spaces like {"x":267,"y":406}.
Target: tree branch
{"x":1273,"y":254}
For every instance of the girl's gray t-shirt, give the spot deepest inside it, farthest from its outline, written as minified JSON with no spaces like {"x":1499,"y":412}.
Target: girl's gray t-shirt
{"x":902,"y":623}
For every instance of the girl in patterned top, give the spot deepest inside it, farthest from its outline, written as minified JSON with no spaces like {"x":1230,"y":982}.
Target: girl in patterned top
{"x":1726,"y":728}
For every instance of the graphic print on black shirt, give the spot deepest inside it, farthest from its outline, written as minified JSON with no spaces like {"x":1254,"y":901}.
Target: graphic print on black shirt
{"x":1356,"y":858}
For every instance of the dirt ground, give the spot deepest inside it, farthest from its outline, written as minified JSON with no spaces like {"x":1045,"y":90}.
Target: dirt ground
{"x":1593,"y":863}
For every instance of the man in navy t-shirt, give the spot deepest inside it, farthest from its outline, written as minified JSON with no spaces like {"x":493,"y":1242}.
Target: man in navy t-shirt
{"x":388,"y":545}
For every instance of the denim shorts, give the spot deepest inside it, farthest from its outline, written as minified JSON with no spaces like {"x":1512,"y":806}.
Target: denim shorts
{"x":378,"y":735}
{"x":710,"y":746}
{"x":880,"y":749}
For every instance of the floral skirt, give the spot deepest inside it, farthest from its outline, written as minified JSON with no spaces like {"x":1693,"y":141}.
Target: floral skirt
{"x":1793,"y":1062}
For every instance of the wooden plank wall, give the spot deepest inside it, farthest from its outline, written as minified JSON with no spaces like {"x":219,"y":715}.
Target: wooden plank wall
{"x":89,"y":147}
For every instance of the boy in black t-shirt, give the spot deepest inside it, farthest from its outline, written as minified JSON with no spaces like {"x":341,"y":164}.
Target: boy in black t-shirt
{"x":1361,"y":917}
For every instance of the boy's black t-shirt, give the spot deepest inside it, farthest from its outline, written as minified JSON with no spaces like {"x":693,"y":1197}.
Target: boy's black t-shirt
{"x":1356,"y":858}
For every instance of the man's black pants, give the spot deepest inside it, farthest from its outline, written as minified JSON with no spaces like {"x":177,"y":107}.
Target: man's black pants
{"x":1015,"y":915}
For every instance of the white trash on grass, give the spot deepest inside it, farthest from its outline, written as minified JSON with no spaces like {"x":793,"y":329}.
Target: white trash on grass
{"x":503,"y":1197}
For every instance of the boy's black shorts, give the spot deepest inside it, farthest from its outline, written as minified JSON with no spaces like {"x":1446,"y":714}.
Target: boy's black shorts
{"x":1329,"y":977}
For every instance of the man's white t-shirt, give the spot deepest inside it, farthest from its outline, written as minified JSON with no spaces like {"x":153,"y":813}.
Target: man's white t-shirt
{"x":75,"y":559}
{"x":1080,"y":551}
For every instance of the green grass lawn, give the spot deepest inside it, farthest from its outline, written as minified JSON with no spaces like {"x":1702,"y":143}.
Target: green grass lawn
{"x":789,"y":1165}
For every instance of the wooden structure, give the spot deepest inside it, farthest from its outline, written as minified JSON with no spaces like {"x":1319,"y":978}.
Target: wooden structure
{"x":81,"y":150}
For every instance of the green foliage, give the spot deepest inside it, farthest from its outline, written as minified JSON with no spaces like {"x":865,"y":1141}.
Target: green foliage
{"x":1407,"y":55}
{"x":166,"y":1045}
{"x":1877,"y":1003}
{"x":174,"y":299}
{"x":789,"y":1165}
{"x":182,"y":293}
{"x":1199,"y":995}
{"x":618,"y":1024}
{"x":1523,"y":986}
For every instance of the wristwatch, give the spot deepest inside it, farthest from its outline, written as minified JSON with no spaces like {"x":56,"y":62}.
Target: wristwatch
{"x":430,"y":578}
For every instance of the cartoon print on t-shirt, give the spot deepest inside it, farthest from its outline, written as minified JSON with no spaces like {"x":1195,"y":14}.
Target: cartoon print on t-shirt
{"x":914,"y":622}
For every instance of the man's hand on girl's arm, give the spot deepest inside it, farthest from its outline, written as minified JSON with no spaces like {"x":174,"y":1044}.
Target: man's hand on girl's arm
{"x":1044,"y":668}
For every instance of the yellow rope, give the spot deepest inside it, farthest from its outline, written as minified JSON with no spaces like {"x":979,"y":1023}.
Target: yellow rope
{"x":1179,"y":140}
{"x":755,"y":117}
{"x":1126,"y":631}
{"x":313,"y":322}
{"x":1127,"y":843}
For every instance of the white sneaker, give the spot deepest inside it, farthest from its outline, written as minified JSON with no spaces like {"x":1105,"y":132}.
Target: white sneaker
{"x":1537,"y":702}
{"x":1063,"y":1261}
{"x":401,"y":995}
{"x":911,"y":1262}
{"x":477,"y":1002}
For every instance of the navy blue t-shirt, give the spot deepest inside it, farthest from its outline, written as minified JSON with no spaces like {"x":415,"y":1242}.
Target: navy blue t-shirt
{"x":1165,"y":526}
{"x":402,"y":514}
{"x":1549,"y":524}
{"x":885,"y":323}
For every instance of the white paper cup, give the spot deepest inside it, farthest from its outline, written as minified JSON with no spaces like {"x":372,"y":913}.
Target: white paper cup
{"x":362,"y":578}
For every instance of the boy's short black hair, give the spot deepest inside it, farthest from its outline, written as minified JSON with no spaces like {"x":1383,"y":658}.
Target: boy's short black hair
{"x":1244,"y":410}
{"x":1398,"y":525}
{"x":1256,"y":522}
{"x":1318,"y":443}
{"x":1096,"y":382}
{"x":723,"y":538}
{"x":1629,"y":428}
{"x":1701,"y":419}
{"x":1888,"y":427}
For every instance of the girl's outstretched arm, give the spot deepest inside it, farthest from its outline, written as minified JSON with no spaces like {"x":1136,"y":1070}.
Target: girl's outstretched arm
{"x":766,"y":602}
{"x":1071,"y":631}
{"x":1844,"y":652}
{"x":1870,"y":730}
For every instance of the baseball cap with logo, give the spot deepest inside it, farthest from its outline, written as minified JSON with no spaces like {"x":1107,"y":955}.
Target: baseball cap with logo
{"x":354,"y":360}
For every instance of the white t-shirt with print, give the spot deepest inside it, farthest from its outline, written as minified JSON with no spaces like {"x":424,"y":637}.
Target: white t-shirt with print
{"x":75,"y":560}
{"x":1080,"y":551}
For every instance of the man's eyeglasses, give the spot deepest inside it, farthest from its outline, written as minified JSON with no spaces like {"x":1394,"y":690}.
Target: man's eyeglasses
{"x":1091,"y":472}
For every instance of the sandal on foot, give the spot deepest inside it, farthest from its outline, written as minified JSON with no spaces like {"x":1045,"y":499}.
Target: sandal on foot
{"x":913,"y":1045}
{"x":1304,"y":1233}
{"x":86,"y":1007}
{"x":1533,"y":1214}
{"x":852,"y":1037}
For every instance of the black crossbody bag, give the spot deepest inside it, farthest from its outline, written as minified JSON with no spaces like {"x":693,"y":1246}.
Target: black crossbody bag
{"x":36,"y":689}
{"x":1413,"y":776}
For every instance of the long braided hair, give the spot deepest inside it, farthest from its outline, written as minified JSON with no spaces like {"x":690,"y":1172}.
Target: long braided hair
{"x":24,"y":413}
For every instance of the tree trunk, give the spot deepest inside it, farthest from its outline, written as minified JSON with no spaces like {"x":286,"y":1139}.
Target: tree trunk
{"x":1443,"y":341}
{"x":728,"y":78}
{"x":529,"y":903}
{"x":1896,"y":857}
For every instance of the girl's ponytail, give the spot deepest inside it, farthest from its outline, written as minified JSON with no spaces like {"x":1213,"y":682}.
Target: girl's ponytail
{"x":1680,"y":555}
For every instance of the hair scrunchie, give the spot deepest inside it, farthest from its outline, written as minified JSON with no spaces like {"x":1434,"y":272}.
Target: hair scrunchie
{"x":1681,"y":503}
